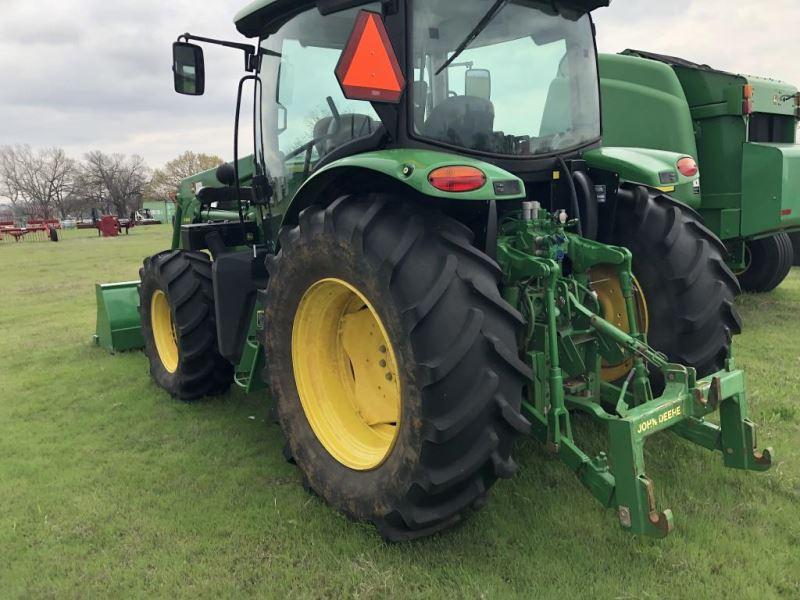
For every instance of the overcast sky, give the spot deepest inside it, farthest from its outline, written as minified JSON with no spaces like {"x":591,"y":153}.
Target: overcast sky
{"x":95,"y":74}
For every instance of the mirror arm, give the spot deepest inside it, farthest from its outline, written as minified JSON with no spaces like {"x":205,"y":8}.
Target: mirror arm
{"x":250,"y":56}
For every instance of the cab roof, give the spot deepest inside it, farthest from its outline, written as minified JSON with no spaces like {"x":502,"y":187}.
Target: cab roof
{"x":266,"y":16}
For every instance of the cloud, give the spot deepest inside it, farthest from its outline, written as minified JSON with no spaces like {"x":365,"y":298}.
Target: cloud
{"x":87,"y":74}
{"x":731,"y":35}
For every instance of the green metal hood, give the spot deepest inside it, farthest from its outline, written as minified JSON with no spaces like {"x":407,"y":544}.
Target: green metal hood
{"x":266,"y":16}
{"x":705,"y":86}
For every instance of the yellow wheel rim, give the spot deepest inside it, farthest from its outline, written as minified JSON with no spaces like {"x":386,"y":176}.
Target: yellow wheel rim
{"x":605,"y":281}
{"x":346,"y":374}
{"x":164,"y":331}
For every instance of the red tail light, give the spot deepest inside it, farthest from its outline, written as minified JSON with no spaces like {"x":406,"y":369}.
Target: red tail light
{"x":457,"y":179}
{"x":688,"y":167}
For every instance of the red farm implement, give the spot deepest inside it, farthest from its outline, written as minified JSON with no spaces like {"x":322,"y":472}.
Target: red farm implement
{"x":39,"y":230}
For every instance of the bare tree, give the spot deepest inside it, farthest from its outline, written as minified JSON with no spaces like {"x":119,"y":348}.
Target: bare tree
{"x":166,"y":180}
{"x":113,"y":182}
{"x":40,"y":182}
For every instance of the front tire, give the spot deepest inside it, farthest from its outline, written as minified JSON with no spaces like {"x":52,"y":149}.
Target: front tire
{"x":690,"y":291}
{"x":451,"y":340}
{"x":179,"y":325}
{"x":769,"y":262}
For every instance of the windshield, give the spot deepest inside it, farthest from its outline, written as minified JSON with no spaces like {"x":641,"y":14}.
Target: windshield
{"x":526,"y":85}
{"x":305,"y":115}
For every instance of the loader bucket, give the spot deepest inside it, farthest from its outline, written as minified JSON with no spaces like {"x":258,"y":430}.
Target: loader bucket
{"x":118,"y":325}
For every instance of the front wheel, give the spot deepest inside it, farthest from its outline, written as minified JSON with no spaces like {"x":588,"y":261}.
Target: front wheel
{"x":179,"y":325}
{"x":392,"y":357}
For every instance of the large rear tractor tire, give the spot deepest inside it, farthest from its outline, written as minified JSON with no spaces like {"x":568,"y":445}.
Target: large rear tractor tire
{"x":393,"y":361}
{"x":769,"y":261}
{"x":680,"y":266}
{"x":179,"y":325}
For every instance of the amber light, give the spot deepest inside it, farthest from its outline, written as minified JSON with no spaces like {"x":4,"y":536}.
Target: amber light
{"x":457,"y":179}
{"x":747,"y":102}
{"x":688,"y":166}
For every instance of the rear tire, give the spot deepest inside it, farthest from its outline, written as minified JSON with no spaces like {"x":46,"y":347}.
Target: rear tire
{"x":183,"y":281}
{"x":770,"y":260}
{"x":454,"y":341}
{"x":689,"y":289}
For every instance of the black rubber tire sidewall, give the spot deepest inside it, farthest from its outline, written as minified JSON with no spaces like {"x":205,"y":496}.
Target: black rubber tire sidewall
{"x":795,"y":240}
{"x":332,"y":260}
{"x":771,"y":260}
{"x":689,"y":289}
{"x":401,"y":496}
{"x":185,"y":280}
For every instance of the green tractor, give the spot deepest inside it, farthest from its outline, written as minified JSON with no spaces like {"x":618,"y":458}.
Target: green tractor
{"x":742,"y":131}
{"x":429,"y":254}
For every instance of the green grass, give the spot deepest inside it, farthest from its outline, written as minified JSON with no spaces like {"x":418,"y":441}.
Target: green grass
{"x":109,"y":488}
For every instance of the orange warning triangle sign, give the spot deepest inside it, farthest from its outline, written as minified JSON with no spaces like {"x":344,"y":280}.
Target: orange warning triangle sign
{"x":368,"y":68}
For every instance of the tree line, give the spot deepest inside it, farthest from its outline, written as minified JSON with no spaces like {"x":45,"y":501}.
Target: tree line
{"x":47,"y":183}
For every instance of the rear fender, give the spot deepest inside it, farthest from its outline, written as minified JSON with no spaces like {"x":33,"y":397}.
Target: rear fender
{"x":405,"y":170}
{"x":653,"y":168}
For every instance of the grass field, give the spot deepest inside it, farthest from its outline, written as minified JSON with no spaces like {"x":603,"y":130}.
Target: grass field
{"x":109,"y":488}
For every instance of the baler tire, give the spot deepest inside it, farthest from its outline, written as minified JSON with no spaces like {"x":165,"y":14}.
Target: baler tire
{"x":454,"y":338}
{"x":688,"y":287}
{"x":185,"y":280}
{"x":770,"y":261}
{"x":795,"y":239}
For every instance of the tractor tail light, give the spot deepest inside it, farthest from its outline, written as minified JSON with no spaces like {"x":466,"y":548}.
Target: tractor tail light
{"x":457,"y":179}
{"x":688,"y":166}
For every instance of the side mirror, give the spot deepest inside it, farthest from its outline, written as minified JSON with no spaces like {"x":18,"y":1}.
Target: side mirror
{"x":189,"y":68}
{"x":478,"y":83}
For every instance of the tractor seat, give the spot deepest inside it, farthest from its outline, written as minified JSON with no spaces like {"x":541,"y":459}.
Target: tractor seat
{"x":464,"y":121}
{"x":333,"y":134}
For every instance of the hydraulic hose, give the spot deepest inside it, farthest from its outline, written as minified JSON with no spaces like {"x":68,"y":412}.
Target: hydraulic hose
{"x":573,"y":193}
{"x":590,"y":219}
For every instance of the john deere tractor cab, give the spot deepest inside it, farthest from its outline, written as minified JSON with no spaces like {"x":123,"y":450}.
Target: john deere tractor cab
{"x":429,"y":254}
